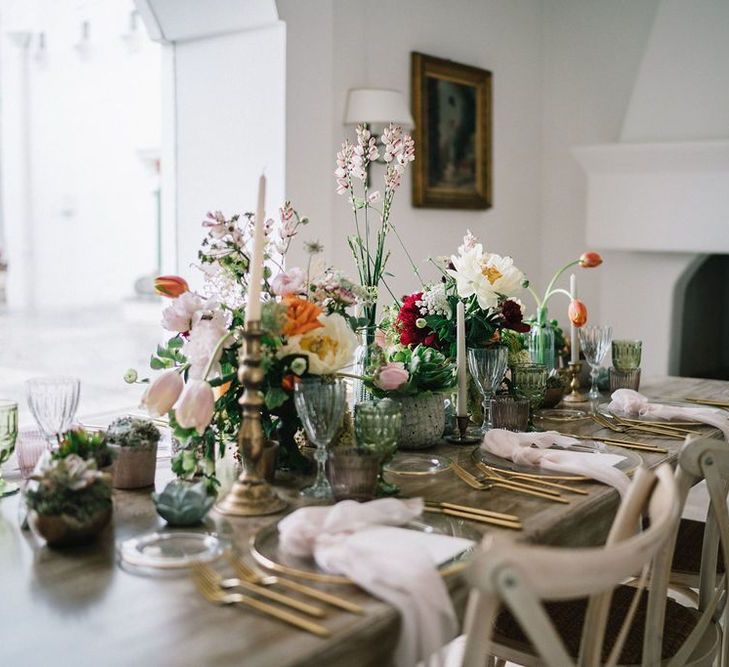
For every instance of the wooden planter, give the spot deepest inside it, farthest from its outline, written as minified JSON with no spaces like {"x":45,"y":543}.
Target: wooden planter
{"x":59,"y":530}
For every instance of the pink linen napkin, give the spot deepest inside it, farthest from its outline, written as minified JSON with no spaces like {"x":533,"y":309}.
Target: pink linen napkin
{"x":408,"y":581}
{"x":532,"y":449}
{"x":633,"y":403}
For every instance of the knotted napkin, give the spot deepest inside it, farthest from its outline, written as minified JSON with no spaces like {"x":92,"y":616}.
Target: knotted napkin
{"x":408,"y":581}
{"x":532,"y":449}
{"x":633,"y":403}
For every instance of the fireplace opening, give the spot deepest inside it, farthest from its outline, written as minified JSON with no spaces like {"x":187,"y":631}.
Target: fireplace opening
{"x":701,"y":320}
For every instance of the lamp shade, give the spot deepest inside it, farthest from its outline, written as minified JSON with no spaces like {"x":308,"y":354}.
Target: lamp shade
{"x":377,"y":106}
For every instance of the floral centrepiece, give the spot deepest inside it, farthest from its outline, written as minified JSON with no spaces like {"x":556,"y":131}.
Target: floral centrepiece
{"x":306,"y":332}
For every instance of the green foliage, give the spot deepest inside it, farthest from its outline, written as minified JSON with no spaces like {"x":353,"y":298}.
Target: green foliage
{"x":429,"y":370}
{"x":70,"y":486}
{"x":168,"y":355}
{"x":88,"y":445}
{"x":132,"y":432}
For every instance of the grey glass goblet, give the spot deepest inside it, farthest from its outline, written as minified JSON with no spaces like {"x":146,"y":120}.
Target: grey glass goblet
{"x":487,"y":367}
{"x":320,"y":403}
{"x":594,"y":343}
{"x":53,"y":402}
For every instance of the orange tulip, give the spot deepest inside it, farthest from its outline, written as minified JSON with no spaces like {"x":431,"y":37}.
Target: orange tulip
{"x":301,"y":317}
{"x":288,"y":382}
{"x":590,"y":259}
{"x":577,"y":312}
{"x":170,"y":286}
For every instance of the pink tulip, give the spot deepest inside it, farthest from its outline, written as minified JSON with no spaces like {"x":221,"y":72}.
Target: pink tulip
{"x":196,"y":408}
{"x":391,"y":376}
{"x":162,"y":394}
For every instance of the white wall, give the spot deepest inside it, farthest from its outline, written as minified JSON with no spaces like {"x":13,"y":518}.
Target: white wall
{"x":592,"y":51}
{"x":87,"y":229}
{"x":334,"y":46}
{"x":230,"y":120}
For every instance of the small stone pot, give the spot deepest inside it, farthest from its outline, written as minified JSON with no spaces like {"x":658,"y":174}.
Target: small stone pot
{"x":134,"y":467}
{"x":423,"y":420}
{"x":63,"y":531}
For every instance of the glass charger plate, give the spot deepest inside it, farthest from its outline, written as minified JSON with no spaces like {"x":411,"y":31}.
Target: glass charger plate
{"x":631,"y":461}
{"x":171,"y":550}
{"x":560,"y":415}
{"x":418,"y":464}
{"x":265,"y":549}
{"x":603,"y":409}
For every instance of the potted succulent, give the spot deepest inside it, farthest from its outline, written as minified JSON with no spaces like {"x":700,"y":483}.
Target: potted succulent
{"x":88,"y":445}
{"x":133,"y":443}
{"x":417,"y":378}
{"x":183,"y":502}
{"x":69,"y":500}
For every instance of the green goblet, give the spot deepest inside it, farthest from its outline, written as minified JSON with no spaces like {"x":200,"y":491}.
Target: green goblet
{"x":8,"y":435}
{"x":530,"y":381}
{"x":377,"y":428}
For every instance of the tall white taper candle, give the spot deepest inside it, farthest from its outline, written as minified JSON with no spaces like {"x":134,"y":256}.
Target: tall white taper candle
{"x":255,"y":271}
{"x":462,"y":362}
{"x":574,"y":340}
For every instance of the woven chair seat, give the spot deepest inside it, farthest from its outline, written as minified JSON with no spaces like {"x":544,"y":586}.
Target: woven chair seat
{"x":568,"y":618}
{"x":687,"y":555}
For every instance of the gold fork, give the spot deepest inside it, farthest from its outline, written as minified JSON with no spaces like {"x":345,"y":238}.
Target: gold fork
{"x":217,"y":596}
{"x":247,"y":573}
{"x":216,"y":579}
{"x":534,"y":479}
{"x":615,"y":426}
{"x":637,"y":424}
{"x":481,"y":485}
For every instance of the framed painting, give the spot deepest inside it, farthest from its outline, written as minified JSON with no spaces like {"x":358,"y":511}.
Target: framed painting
{"x":452,"y":111}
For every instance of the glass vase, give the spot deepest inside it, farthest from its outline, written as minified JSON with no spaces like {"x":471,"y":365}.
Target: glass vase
{"x":541,"y":341}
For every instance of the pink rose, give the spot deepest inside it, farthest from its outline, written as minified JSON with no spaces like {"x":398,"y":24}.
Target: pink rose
{"x":292,"y":281}
{"x":391,"y":376}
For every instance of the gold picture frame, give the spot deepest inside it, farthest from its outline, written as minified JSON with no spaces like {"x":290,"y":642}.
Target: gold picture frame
{"x":452,"y":108}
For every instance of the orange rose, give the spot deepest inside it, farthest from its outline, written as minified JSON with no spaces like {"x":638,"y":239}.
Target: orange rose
{"x":577,"y":312}
{"x":301,"y":317}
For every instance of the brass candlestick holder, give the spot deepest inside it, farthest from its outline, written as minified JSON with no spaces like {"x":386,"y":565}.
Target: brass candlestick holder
{"x":575,"y":396}
{"x":251,"y":495}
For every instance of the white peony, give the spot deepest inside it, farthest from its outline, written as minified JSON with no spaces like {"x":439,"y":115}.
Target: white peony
{"x":487,"y":275}
{"x":329,"y":348}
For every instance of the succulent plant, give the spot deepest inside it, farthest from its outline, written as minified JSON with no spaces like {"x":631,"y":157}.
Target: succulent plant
{"x":183,"y":503}
{"x":71,"y":486}
{"x":89,"y":445}
{"x":132,"y":432}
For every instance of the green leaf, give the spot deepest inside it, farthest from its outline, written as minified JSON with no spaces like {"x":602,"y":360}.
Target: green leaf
{"x":275,"y":397}
{"x":175,"y":343}
{"x":156,"y":364}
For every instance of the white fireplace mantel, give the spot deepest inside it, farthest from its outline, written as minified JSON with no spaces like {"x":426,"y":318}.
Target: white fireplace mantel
{"x":658,"y":197}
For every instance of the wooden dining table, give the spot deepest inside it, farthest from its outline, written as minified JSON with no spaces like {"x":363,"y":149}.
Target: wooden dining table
{"x":78,"y":607}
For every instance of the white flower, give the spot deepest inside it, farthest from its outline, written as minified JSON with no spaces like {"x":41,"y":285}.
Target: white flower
{"x":469,"y":242}
{"x":178,"y":316}
{"x":204,"y":336}
{"x":329,"y":348}
{"x":434,"y":301}
{"x":487,"y":275}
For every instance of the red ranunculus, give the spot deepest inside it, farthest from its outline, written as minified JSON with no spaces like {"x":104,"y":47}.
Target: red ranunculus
{"x":410,"y":334}
{"x":512,"y":314}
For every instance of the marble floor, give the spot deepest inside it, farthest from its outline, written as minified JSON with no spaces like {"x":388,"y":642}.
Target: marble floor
{"x":96,"y":345}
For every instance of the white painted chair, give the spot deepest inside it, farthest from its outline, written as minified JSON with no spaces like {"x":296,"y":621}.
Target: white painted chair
{"x":567,"y":606}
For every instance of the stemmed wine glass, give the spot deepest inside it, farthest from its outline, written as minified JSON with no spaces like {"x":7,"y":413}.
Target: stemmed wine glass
{"x":487,"y":366}
{"x":594,"y":342}
{"x":320,"y":404}
{"x":53,"y":402}
{"x":8,"y":435}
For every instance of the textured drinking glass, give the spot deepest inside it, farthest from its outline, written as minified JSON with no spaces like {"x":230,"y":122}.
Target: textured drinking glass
{"x":53,"y":402}
{"x":377,"y":428}
{"x":530,"y":382}
{"x":320,"y":404}
{"x":353,"y":474}
{"x":487,"y":367}
{"x":8,"y":435}
{"x":510,"y":413}
{"x":30,"y":447}
{"x":626,"y":354}
{"x":594,"y":343}
{"x":629,"y":379}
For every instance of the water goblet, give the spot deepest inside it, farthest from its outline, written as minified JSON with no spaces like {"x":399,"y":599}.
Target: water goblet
{"x":594,"y":343}
{"x":487,"y":367}
{"x":53,"y":402}
{"x":377,"y":428}
{"x":530,"y":382}
{"x":320,"y":404}
{"x":626,"y":354}
{"x":8,"y":435}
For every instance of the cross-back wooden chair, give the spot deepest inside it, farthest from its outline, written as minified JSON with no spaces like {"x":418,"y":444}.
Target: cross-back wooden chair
{"x":567,"y":606}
